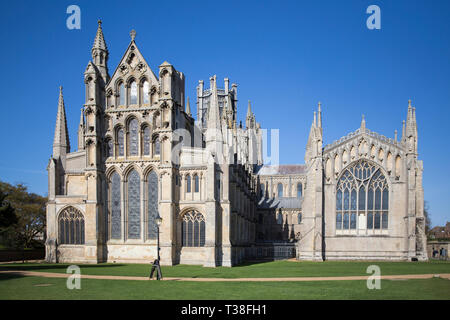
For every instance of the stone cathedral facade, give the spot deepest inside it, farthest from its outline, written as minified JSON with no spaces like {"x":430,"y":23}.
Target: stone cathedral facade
{"x":141,"y":155}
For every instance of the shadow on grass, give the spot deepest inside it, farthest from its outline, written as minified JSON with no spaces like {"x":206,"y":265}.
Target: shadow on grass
{"x":9,"y":276}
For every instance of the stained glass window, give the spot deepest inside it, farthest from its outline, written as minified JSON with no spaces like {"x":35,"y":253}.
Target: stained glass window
{"x":134,"y":205}
{"x":193,"y":230}
{"x":133,"y":93}
{"x":133,"y":144}
{"x":71,"y":226}
{"x":146,"y":141}
{"x":115,"y":207}
{"x":152,"y":204}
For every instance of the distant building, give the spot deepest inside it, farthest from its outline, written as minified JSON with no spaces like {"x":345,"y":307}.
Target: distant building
{"x":440,"y":232}
{"x":360,"y":197}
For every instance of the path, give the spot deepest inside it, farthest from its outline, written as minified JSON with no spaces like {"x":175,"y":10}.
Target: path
{"x":102,"y":277}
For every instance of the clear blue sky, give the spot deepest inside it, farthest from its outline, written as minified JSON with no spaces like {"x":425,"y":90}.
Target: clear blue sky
{"x":285,"y":56}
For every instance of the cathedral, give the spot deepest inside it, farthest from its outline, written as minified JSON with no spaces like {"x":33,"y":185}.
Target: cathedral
{"x":146,"y":174}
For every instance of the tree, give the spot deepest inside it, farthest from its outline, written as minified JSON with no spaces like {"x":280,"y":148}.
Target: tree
{"x":30,"y":211}
{"x":7,"y":215}
{"x":426,"y":214}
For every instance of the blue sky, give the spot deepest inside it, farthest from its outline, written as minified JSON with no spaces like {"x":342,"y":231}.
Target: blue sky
{"x":285,"y":56}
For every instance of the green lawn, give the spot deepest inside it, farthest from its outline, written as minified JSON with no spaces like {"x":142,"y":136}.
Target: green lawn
{"x":256,"y":270}
{"x":14,"y":287}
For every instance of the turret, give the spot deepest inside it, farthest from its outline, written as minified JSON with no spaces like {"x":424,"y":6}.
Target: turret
{"x":100,"y":53}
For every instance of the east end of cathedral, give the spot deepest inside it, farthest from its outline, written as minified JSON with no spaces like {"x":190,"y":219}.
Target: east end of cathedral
{"x":142,"y":156}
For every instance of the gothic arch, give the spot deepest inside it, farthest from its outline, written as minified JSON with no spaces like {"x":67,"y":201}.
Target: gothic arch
{"x":71,"y":225}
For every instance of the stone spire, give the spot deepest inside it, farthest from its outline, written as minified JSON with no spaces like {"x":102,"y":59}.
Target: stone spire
{"x":188,"y":107}
{"x":411,"y":125}
{"x":363,"y":123}
{"x":249,"y":121}
{"x":61,"y":144}
{"x":100,"y":53}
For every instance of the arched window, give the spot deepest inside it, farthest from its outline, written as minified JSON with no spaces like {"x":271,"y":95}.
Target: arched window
{"x":188,"y":183}
{"x":146,"y":138}
{"x":71,"y":226}
{"x":280,"y":190}
{"x":133,"y":92}
{"x":133,"y":137}
{"x":280,"y":218}
{"x":196,"y":183}
{"x":156,"y":147}
{"x":261,"y":190}
{"x":299,"y":190}
{"x":115,"y":207}
{"x":362,"y":189}
{"x":299,"y":218}
{"x":193,"y":230}
{"x":152,"y":188}
{"x":120,"y":144}
{"x":145,"y":92}
{"x":134,"y":205}
{"x":121,"y":94}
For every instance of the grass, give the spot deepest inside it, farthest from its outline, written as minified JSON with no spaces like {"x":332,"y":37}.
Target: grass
{"x":30,"y":288}
{"x":255,"y":270}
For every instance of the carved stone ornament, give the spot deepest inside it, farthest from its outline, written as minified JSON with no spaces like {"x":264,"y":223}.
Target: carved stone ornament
{"x":141,"y":67}
{"x":123,"y":69}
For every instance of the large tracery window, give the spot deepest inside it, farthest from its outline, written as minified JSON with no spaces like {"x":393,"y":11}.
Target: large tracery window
{"x":362,"y":190}
{"x":193,"y":230}
{"x":152,"y":189}
{"x":71,"y":226}
{"x":134,"y":205}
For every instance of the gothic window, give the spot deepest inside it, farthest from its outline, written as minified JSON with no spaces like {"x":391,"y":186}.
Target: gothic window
{"x":146,"y":141}
{"x":156,"y":146}
{"x":188,"y":183}
{"x":299,"y":190}
{"x":134,"y":205}
{"x":261,"y":190}
{"x":121,"y":94}
{"x":133,"y":137}
{"x":299,"y":218}
{"x":120,"y":143}
{"x":196,"y":183}
{"x":152,"y":204}
{"x":146,"y":92}
{"x":193,"y":230}
{"x":133,"y":93}
{"x":115,"y":207}
{"x":71,"y":226}
{"x":280,"y":190}
{"x":362,"y":189}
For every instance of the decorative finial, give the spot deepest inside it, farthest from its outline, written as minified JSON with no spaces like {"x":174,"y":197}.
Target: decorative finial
{"x":319,"y":105}
{"x":133,"y":34}
{"x":409,"y":103}
{"x":60,"y":89}
{"x":99,"y":22}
